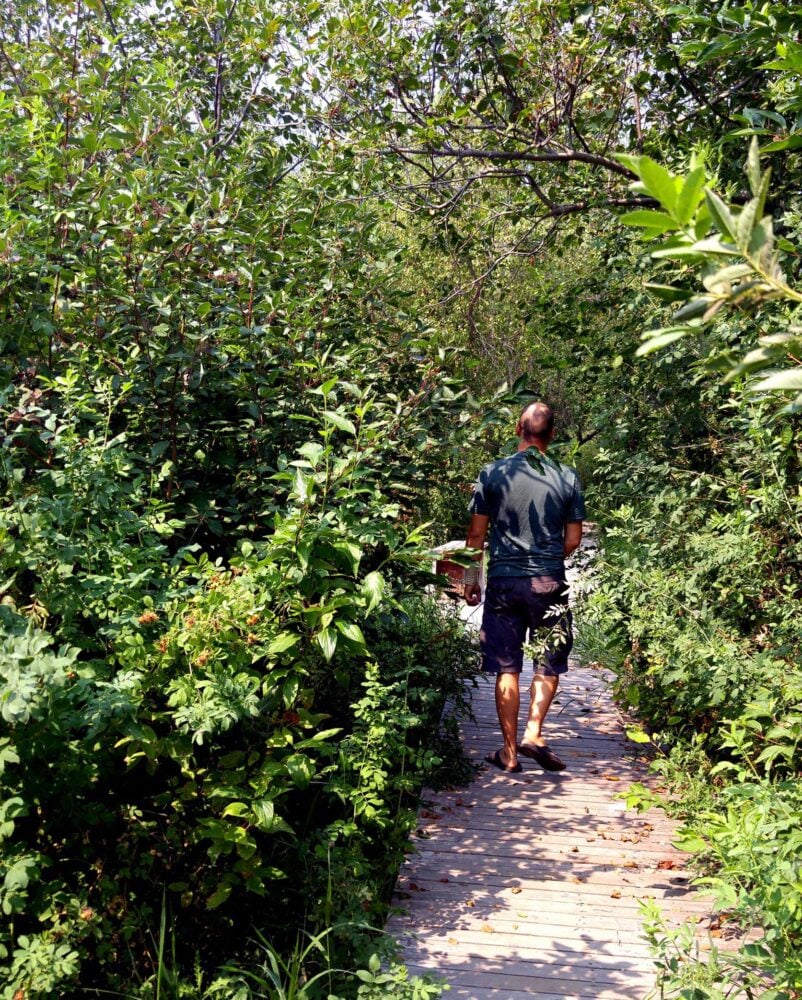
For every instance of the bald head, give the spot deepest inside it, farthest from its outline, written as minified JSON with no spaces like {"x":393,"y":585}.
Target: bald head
{"x":535,"y":425}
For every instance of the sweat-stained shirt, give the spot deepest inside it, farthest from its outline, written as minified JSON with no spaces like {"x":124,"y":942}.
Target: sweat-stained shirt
{"x":528,"y":498}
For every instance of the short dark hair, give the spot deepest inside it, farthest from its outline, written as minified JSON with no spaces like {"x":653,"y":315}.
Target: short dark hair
{"x":537,"y":421}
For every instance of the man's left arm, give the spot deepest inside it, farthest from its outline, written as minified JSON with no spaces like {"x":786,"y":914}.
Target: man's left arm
{"x":572,"y":538}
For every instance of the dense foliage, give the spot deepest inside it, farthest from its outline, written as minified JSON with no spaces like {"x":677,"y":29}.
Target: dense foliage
{"x":221,"y":684}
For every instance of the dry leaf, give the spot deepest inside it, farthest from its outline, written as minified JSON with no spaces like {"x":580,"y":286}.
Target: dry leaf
{"x":470,"y":902}
{"x":516,"y":889}
{"x":667,"y":865}
{"x":611,"y":777}
{"x":488,"y":929}
{"x":453,"y":941}
{"x":615,"y":894}
{"x":630,"y":864}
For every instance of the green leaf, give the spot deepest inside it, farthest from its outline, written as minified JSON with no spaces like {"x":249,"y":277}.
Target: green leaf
{"x":761,"y":242}
{"x":373,"y":587}
{"x":690,"y":842}
{"x":661,"y":338}
{"x":236,"y":809}
{"x":352,"y":552}
{"x":722,"y":280}
{"x":219,"y":896}
{"x":668,"y":293}
{"x":637,"y":735}
{"x":352,"y":632}
{"x":785,"y":380}
{"x":264,"y":813}
{"x":792,"y":142}
{"x":282,"y":642}
{"x":289,"y":690}
{"x":752,"y":167}
{"x":327,"y":640}
{"x":721,"y":215}
{"x":629,"y":161}
{"x":343,"y":423}
{"x":300,"y":770}
{"x":660,"y":184}
{"x":313,"y":451}
{"x":645,"y":218}
{"x":746,"y":223}
{"x":691,"y":310}
{"x":690,"y":195}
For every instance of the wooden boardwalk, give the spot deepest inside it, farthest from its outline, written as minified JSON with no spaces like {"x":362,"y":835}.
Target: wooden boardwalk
{"x":528,"y":885}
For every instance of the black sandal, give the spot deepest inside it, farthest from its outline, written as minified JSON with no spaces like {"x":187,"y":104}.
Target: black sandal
{"x":496,"y":761}
{"x":547,"y":759}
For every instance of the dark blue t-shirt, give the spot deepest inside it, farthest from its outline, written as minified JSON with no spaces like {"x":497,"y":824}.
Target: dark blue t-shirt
{"x":529,"y":498}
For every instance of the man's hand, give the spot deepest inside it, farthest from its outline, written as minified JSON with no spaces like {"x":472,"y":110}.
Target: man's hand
{"x":472,"y":592}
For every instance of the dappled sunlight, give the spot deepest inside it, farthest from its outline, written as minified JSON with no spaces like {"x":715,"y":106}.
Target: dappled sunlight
{"x":531,"y":884}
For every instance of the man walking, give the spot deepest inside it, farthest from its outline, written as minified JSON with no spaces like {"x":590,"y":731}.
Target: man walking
{"x":534,"y":508}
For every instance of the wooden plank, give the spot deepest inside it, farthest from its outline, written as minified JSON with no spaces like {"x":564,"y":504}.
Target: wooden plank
{"x":530,"y":885}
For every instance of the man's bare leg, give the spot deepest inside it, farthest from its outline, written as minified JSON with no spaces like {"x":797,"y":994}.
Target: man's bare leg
{"x":542,"y":691}
{"x":508,"y":701}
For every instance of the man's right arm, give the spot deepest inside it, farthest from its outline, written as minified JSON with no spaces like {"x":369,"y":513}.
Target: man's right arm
{"x":572,"y":538}
{"x":477,"y":530}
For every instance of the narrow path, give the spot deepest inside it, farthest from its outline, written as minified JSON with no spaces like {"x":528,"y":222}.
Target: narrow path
{"x":528,"y":885}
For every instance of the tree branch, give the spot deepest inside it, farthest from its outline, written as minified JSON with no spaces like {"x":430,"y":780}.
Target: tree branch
{"x":570,"y":156}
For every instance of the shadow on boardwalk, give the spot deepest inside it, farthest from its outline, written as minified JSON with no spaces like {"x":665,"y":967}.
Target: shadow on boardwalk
{"x":529,"y":885}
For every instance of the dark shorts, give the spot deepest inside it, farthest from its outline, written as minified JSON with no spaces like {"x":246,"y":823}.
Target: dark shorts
{"x":514,"y":605}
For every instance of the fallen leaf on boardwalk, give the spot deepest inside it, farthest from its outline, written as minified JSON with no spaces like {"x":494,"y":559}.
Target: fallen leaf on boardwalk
{"x":470,"y":902}
{"x":576,"y":878}
{"x":429,"y":815}
{"x":415,"y":887}
{"x":590,"y":840}
{"x":442,"y":880}
{"x":515,"y":927}
{"x":453,"y":941}
{"x":615,"y":894}
{"x":667,"y":865}
{"x":574,"y":850}
{"x":488,"y":929}
{"x":715,"y":932}
{"x":611,"y":777}
{"x":632,"y":864}
{"x":516,"y":889}
{"x":521,"y":913}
